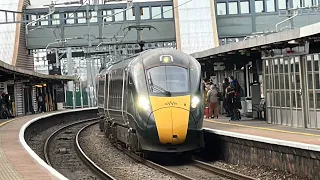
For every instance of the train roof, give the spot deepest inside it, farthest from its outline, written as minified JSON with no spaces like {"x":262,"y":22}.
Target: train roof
{"x":148,"y":55}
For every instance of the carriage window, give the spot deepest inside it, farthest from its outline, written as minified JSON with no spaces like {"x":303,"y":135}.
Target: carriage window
{"x":171,"y":78}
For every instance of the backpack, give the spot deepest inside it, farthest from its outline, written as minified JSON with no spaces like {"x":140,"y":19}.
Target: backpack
{"x":219,"y":94}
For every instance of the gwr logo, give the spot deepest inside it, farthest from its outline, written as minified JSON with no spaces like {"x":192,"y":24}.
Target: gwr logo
{"x":170,"y":103}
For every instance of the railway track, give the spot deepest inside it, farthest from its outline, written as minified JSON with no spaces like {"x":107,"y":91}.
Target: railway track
{"x":220,"y":171}
{"x":198,"y":166}
{"x":63,"y":152}
{"x":68,"y":150}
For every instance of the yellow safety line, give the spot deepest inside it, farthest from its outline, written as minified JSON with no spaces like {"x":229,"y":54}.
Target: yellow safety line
{"x":3,"y":123}
{"x":262,"y":128}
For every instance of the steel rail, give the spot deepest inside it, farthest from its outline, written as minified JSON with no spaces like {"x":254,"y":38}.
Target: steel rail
{"x":50,"y":138}
{"x":221,"y":171}
{"x":152,"y":164}
{"x":85,"y":159}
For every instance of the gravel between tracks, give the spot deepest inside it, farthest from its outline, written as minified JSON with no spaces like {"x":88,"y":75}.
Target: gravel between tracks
{"x":196,"y":172}
{"x":259,"y":172}
{"x":109,"y":158}
{"x":36,"y":142}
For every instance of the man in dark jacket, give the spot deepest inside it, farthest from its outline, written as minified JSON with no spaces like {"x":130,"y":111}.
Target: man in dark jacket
{"x":237,"y":93}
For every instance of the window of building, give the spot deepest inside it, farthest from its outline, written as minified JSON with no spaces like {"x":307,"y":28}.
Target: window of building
{"x":221,"y":9}
{"x":259,"y":6}
{"x":296,"y":3}
{"x":130,"y":14}
{"x":282,"y":4}
{"x":233,"y":7}
{"x":118,"y":14}
{"x":81,"y":17}
{"x":94,"y":17}
{"x":167,"y":12}
{"x":244,"y":7}
{"x":145,"y":13}
{"x":307,"y":3}
{"x":44,"y":21}
{"x":156,"y":12}
{"x":270,"y":6}
{"x":107,"y":14}
{"x":55,"y":19}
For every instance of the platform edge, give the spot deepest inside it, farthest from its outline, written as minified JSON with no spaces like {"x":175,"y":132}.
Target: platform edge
{"x":265,"y":139}
{"x":32,"y":153}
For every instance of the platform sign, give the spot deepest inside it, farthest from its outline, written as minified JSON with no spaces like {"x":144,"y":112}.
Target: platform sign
{"x":59,"y":89}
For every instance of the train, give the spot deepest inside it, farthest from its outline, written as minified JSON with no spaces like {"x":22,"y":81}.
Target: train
{"x":153,"y":102}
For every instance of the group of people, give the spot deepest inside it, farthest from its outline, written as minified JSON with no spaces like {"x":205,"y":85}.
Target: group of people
{"x":230,"y":96}
{"x":6,"y":106}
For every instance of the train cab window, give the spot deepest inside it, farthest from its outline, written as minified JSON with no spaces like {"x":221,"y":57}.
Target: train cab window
{"x":170,"y":78}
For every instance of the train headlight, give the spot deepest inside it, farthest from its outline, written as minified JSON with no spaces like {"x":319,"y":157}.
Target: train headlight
{"x":143,"y":103}
{"x":195,"y":101}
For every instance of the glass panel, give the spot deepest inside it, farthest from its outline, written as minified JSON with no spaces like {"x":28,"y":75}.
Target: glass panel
{"x":286,"y":66}
{"x":297,"y":80}
{"x":108,"y":16}
{"x":298,"y":99}
{"x":309,"y":65}
{"x":259,"y":6}
{"x":130,"y":14}
{"x":316,"y":62}
{"x":318,"y":100}
{"x":293,"y":99}
{"x":286,"y":78}
{"x":297,"y":67}
{"x":221,"y":9}
{"x":307,"y":3}
{"x":156,"y":12}
{"x":283,"y":101}
{"x":267,"y":66}
{"x":145,"y":13}
{"x":276,"y":82}
{"x":310,"y":86}
{"x":277,"y":98}
{"x":281,"y":64}
{"x":233,"y":7}
{"x":170,"y":78}
{"x":296,"y":3}
{"x":244,"y":7}
{"x":119,"y":15}
{"x":316,"y":80}
{"x":288,"y":104}
{"x":282,"y":4}
{"x":94,"y":17}
{"x":311,"y":100}
{"x":281,"y":81}
{"x":270,"y":6}
{"x":276,"y":70}
{"x":44,"y":23}
{"x":267,"y":82}
{"x":55,"y":19}
{"x":167,"y":12}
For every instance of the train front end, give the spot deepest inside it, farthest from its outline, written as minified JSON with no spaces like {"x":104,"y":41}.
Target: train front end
{"x":173,"y":104}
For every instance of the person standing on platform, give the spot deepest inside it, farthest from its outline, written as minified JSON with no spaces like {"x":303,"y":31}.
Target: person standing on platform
{"x":224,"y":94}
{"x":237,"y":93}
{"x":213,"y":101}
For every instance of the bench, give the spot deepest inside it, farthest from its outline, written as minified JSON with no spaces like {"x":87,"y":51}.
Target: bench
{"x":259,"y":108}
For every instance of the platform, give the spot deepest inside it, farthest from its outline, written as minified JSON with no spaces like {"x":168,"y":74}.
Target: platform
{"x":261,"y":131}
{"x":15,"y":162}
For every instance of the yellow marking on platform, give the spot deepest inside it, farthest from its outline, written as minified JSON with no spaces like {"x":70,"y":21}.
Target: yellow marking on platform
{"x":262,"y":128}
{"x":3,"y":123}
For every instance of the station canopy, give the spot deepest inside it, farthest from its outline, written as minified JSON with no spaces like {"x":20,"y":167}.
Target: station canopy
{"x":9,"y":72}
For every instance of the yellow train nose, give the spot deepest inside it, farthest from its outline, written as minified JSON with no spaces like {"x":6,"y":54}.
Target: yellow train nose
{"x":171,"y":117}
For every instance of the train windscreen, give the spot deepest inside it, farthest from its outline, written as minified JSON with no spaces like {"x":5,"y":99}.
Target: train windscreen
{"x":171,"y":79}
